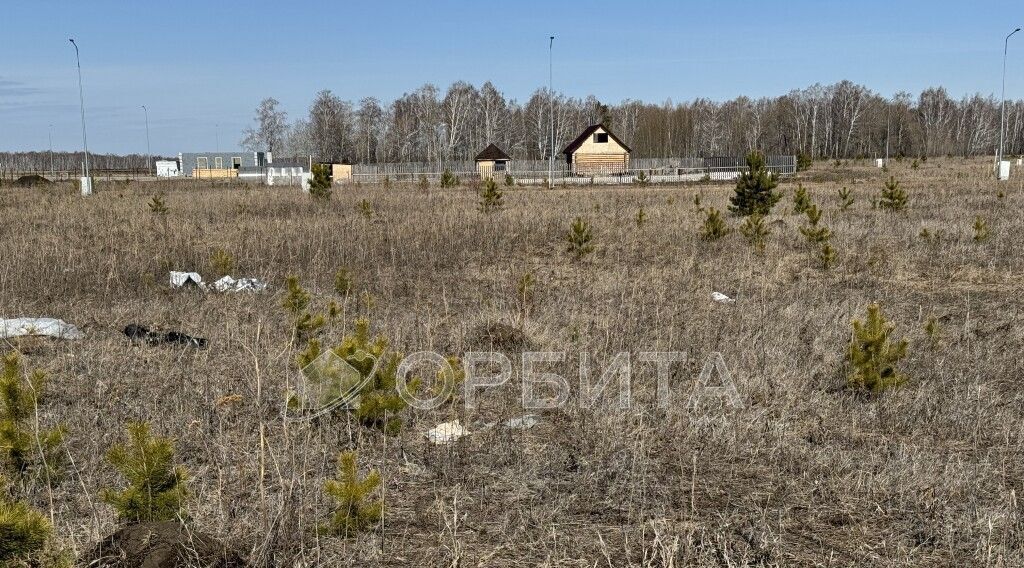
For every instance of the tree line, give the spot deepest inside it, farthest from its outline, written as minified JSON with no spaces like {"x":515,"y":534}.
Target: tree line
{"x":844,"y":120}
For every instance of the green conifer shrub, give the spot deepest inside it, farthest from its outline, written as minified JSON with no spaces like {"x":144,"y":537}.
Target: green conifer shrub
{"x":158,"y":206}
{"x":981,"y":231}
{"x":640,"y":217}
{"x":826,"y":255}
{"x":365,"y":208}
{"x":714,"y":225}
{"x":755,"y":189}
{"x":803,"y":162}
{"x":448,"y":179}
{"x":641,"y":179}
{"x":814,"y":232}
{"x":801,"y":200}
{"x":296,"y":301}
{"x":490,"y":196}
{"x":755,"y":231}
{"x":20,"y":396}
{"x":580,"y":238}
{"x":23,"y":532}
{"x":320,"y":184}
{"x":424,"y":183}
{"x":155,"y":488}
{"x":845,"y":199}
{"x":355,"y":508}
{"x":509,"y":180}
{"x":893,"y":197}
{"x":873,"y":356}
{"x":378,"y":402}
{"x":343,"y":282}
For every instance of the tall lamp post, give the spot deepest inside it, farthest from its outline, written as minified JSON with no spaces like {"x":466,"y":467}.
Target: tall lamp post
{"x":551,"y":104}
{"x":1002,"y":108}
{"x":149,"y":154}
{"x":87,"y":180}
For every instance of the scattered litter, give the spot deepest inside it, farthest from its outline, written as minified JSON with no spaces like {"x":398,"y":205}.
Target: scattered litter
{"x":523,"y":422}
{"x":225,"y":284}
{"x":722,"y":298}
{"x":229,"y":284}
{"x":50,"y":327}
{"x":181,"y":279}
{"x":138,"y":332}
{"x":446,"y":432}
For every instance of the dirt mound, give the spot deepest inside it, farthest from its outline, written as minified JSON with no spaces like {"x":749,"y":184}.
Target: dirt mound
{"x":31,"y":181}
{"x":160,"y":545}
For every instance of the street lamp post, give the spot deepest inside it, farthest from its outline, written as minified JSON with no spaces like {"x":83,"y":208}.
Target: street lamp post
{"x":1002,"y":106}
{"x":551,"y":101}
{"x":149,"y":154}
{"x":87,"y":180}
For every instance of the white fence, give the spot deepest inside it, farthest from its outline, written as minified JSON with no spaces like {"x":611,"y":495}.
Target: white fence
{"x":656,"y":170}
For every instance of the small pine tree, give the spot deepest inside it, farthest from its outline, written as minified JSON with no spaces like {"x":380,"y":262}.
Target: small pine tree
{"x":355,"y":508}
{"x":320,"y":185}
{"x":801,"y":200}
{"x":296,"y":301}
{"x":698,"y":207}
{"x":845,"y":199}
{"x":873,"y":356}
{"x":934,"y":332}
{"x":424,"y":183}
{"x":754,"y":189}
{"x":641,"y":179}
{"x":509,"y":180}
{"x":893,"y":197}
{"x":813,"y":231}
{"x":490,"y":196}
{"x":755,"y":231}
{"x":580,"y":238}
{"x":827,"y":255}
{"x":365,"y":208}
{"x":448,"y":179}
{"x":222,"y":262}
{"x":158,"y":206}
{"x":343,"y":282}
{"x":23,"y":532}
{"x":387,"y":182}
{"x":20,"y":396}
{"x":378,"y":402}
{"x":156,"y":486}
{"x":803,"y":162}
{"x":641,"y":216}
{"x":981,"y":231}
{"x":714,"y":225}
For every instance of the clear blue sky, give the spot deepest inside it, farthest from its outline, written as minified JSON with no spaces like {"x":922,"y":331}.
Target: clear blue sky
{"x":200,"y":64}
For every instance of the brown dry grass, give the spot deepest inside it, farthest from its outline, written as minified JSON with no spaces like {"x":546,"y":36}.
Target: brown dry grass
{"x":806,"y":474}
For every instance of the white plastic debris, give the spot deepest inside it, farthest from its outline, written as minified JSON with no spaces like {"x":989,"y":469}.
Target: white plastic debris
{"x":180,"y":279}
{"x":225,"y":284}
{"x":50,"y":327}
{"x":722,"y":298}
{"x":446,"y":432}
{"x":229,"y":284}
{"x":524,"y":422}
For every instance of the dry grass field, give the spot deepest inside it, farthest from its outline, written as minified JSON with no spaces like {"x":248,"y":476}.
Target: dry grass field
{"x":806,"y":472}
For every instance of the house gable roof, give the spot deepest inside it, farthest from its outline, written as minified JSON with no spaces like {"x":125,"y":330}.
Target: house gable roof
{"x":492,"y":152}
{"x":575,"y":144}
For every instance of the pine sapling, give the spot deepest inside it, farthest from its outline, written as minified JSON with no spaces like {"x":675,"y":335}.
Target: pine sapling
{"x":365,"y":208}
{"x":755,"y":189}
{"x":714,"y":225}
{"x":296,"y":301}
{"x":934,"y":332}
{"x":981,"y":232}
{"x":813,"y":231}
{"x":641,"y":216}
{"x":490,"y":196}
{"x":448,"y":179}
{"x":641,"y":179}
{"x":801,"y":200}
{"x":755,"y":231}
{"x":155,"y":488}
{"x":873,"y":356}
{"x":424,"y":183}
{"x":826,"y":255}
{"x":343,"y":282}
{"x":158,"y":206}
{"x":580,"y":238}
{"x":356,"y":509}
{"x":23,"y":533}
{"x":22,"y":446}
{"x":845,"y":199}
{"x":320,"y":185}
{"x":893,"y":197}
{"x":509,"y":180}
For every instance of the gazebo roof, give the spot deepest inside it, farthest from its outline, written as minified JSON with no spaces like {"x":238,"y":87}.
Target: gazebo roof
{"x":492,"y":152}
